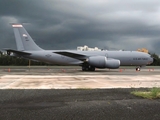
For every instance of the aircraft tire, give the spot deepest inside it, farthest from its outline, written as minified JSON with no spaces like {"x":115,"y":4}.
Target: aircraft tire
{"x":88,"y":68}
{"x":91,"y":68}
{"x":83,"y":68}
{"x":138,"y":69}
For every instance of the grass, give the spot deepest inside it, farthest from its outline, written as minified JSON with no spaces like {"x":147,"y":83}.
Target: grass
{"x":153,"y":93}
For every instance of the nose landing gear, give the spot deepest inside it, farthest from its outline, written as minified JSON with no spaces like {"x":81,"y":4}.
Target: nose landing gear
{"x":138,"y":68}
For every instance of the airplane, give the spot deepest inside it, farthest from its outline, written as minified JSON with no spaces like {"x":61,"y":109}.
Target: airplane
{"x":88,"y":60}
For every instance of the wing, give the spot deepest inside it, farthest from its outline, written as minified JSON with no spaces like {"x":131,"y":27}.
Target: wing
{"x":17,"y":52}
{"x":73,"y":55}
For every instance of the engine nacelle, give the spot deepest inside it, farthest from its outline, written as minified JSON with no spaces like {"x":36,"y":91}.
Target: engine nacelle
{"x":103,"y":62}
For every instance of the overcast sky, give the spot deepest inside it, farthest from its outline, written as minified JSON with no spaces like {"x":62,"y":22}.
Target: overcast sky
{"x":66,"y":24}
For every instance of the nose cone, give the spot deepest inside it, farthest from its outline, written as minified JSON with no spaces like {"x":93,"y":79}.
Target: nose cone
{"x":150,"y":60}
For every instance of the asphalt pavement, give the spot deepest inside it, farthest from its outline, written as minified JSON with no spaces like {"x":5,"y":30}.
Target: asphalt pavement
{"x":76,"y":104}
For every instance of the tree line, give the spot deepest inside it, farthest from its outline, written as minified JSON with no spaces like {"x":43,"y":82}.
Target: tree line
{"x":156,"y":61}
{"x":6,"y":60}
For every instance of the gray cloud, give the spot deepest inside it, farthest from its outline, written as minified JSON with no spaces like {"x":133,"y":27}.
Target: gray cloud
{"x":66,"y":24}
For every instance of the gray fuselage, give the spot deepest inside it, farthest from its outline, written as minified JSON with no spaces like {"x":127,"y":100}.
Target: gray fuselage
{"x":125,"y":57}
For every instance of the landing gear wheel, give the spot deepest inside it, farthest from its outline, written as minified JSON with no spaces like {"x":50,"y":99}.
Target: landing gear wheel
{"x":84,"y":68}
{"x":91,"y":68}
{"x":138,"y":69}
{"x":88,"y":68}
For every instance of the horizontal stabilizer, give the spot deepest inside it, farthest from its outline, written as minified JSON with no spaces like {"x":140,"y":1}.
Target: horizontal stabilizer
{"x":17,"y":52}
{"x":72,"y":55}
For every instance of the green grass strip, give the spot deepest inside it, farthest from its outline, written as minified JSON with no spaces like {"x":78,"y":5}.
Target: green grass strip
{"x":153,"y":93}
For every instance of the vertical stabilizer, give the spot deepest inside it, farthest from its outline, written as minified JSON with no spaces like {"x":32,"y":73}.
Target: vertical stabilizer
{"x":24,"y":41}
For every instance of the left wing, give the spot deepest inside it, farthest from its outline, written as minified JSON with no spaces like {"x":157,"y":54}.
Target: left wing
{"x":73,"y":55}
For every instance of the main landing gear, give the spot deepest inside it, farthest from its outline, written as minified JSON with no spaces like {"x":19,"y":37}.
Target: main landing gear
{"x":88,"y":68}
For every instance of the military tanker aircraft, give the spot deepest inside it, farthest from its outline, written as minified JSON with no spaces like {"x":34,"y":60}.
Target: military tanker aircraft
{"x":89,"y":60}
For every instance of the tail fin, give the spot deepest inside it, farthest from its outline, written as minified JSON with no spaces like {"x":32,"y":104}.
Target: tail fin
{"x":24,"y":41}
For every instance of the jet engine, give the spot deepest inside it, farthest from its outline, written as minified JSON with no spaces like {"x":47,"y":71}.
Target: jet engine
{"x":103,"y":62}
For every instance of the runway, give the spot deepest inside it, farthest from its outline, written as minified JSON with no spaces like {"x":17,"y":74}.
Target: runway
{"x":71,"y":77}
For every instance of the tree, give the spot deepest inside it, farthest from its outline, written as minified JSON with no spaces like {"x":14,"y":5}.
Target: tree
{"x":156,"y":61}
{"x":1,"y":53}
